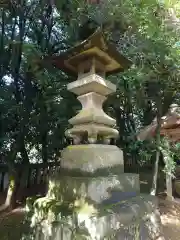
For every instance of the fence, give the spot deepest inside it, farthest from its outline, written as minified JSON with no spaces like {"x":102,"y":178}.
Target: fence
{"x":31,"y":179}
{"x":35,"y":174}
{"x":132,"y":166}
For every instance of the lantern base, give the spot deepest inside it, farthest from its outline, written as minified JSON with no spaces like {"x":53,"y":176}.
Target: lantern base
{"x":92,"y":198}
{"x":89,"y":159}
{"x":135,"y":218}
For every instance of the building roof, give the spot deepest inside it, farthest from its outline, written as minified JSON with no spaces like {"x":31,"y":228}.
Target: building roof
{"x":170,"y":126}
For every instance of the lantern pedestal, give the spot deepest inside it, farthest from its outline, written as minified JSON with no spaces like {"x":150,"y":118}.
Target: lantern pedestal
{"x":92,"y":197}
{"x":89,"y":159}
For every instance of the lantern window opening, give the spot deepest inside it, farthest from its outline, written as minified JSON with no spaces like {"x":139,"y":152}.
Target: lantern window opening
{"x":91,"y":66}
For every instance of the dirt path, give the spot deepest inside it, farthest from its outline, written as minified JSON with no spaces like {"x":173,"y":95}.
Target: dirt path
{"x":11,"y":225}
{"x":170,"y":217}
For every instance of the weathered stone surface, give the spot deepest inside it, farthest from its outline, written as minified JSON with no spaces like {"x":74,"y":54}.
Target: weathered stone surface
{"x":93,"y":130}
{"x":117,"y":216}
{"x":91,"y":83}
{"x":97,"y":189}
{"x":91,"y":120}
{"x":92,"y":111}
{"x":90,"y":157}
{"x":131,"y":219}
{"x":151,"y":227}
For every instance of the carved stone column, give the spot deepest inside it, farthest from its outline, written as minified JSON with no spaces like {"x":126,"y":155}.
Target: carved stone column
{"x":92,"y":90}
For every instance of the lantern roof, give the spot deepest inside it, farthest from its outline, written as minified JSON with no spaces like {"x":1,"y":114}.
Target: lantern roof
{"x":96,"y":47}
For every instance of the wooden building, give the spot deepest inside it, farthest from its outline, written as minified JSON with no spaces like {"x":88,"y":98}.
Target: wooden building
{"x":170,"y":126}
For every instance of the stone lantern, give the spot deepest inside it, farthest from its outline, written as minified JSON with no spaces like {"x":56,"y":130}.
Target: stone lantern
{"x":102,"y":200}
{"x":90,"y":62}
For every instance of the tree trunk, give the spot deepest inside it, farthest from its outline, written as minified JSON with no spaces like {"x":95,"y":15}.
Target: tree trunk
{"x":155,"y":174}
{"x":169,"y":190}
{"x":169,"y":187}
{"x":23,"y":152}
{"x":11,"y":193}
{"x":44,"y":147}
{"x":158,"y":139}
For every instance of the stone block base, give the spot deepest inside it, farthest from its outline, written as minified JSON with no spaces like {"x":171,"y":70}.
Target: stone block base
{"x":90,"y":158}
{"x":98,"y":189}
{"x":91,"y":198}
{"x":136,"y":219}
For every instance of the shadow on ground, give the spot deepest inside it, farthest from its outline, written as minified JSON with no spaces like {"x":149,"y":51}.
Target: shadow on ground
{"x":170,"y":217}
{"x":12,"y":225}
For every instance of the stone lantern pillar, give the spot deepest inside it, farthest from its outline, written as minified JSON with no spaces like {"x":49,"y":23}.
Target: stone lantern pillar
{"x":92,"y":194}
{"x":90,"y":62}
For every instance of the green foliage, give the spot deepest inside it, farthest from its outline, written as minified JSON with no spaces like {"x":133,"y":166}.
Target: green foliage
{"x":35,"y":106}
{"x":32,"y":102}
{"x":168,"y":151}
{"x":144,"y":149}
